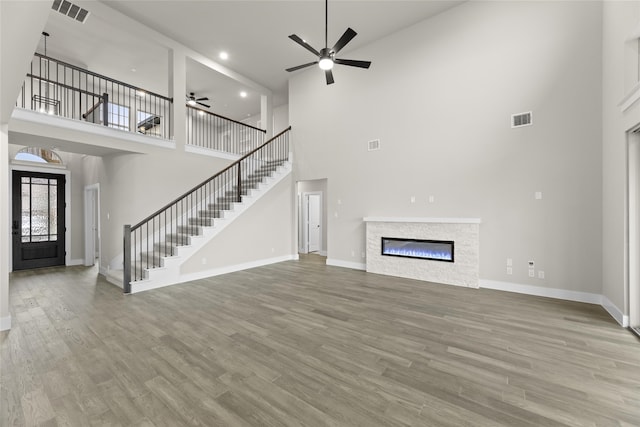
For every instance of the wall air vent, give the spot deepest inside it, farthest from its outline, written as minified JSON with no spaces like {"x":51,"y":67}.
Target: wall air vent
{"x":521,"y":119}
{"x":71,"y":10}
{"x":373,"y":145}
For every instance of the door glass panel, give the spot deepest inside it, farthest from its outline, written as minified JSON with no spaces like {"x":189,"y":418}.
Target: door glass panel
{"x":53,"y":208}
{"x":39,"y":209}
{"x":26,"y":210}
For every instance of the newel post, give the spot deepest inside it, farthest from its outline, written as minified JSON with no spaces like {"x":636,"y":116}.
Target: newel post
{"x":105,"y":109}
{"x":126,"y":277}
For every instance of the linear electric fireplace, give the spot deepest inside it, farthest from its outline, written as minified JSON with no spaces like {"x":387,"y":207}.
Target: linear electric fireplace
{"x":436,"y":250}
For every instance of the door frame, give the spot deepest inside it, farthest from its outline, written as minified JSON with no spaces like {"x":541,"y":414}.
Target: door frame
{"x":305,"y":220}
{"x":632,"y":291}
{"x":89,"y":243}
{"x":59,"y":170}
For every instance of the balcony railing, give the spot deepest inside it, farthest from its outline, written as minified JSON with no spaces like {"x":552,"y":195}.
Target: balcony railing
{"x":58,"y":88}
{"x":215,"y":132}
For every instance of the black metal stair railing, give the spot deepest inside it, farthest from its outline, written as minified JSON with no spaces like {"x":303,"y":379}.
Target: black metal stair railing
{"x":158,"y":235}
{"x":213,"y":131}
{"x":58,"y":88}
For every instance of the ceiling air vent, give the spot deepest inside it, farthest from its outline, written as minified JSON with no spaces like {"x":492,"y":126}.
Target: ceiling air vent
{"x":373,"y":145}
{"x":71,"y":10}
{"x":522,"y":119}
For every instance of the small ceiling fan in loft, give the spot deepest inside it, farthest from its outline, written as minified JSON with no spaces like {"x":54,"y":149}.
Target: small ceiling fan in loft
{"x":326,"y":56}
{"x":193,"y":101}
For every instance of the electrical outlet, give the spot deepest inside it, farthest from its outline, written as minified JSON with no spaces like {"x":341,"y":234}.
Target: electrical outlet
{"x":353,"y":253}
{"x":509,"y":271}
{"x":204,"y":261}
{"x":413,"y":199}
{"x":509,"y":262}
{"x":432,"y":199}
{"x":532,"y":273}
{"x":540,"y":274}
{"x":538,"y":195}
{"x":532,"y":264}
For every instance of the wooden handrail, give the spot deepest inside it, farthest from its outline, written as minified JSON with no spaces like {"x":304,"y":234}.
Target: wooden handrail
{"x":202,"y":184}
{"x":225,"y":118}
{"x":91,"y":73}
{"x":64,"y":86}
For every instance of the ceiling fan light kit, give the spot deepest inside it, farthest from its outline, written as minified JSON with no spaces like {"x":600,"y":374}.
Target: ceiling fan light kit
{"x":193,"y":101}
{"x":326,"y":56}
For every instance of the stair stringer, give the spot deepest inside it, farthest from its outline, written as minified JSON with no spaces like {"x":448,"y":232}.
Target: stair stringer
{"x":169,"y":273}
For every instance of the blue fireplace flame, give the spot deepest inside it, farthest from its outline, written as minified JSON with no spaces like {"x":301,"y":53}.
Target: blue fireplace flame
{"x":438,"y":250}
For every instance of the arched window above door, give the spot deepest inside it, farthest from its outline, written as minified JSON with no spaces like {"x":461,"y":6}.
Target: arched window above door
{"x":38,"y":155}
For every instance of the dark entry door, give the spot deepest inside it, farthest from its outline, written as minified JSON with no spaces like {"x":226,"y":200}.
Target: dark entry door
{"x":38,"y":220}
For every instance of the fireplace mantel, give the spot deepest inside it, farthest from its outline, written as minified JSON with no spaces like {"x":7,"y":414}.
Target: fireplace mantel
{"x":423,"y":220}
{"x":465,"y":232}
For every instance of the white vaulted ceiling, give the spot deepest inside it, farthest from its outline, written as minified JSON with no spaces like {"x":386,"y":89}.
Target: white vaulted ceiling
{"x":254,"y":33}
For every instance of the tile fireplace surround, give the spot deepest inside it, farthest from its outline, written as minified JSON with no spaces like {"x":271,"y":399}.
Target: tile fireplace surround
{"x":464,"y":231}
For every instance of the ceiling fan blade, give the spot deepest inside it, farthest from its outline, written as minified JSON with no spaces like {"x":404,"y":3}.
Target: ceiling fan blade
{"x":346,"y":38}
{"x":203,"y":104}
{"x":202,"y":99}
{"x":304,"y":44}
{"x":329,"y":75}
{"x":302,"y":66}
{"x":353,"y":63}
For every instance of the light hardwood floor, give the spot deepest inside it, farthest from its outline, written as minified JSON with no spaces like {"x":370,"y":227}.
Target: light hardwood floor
{"x":301,"y":343}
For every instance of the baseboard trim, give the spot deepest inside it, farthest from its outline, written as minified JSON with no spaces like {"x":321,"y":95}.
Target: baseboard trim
{"x":5,"y":323}
{"x":563,"y":294}
{"x":615,"y":312}
{"x":542,"y":292}
{"x":346,"y":264}
{"x":237,"y":267}
{"x":73,"y":262}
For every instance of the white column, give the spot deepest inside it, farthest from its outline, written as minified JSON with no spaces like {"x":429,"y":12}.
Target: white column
{"x":177,"y":91}
{"x":5,"y":229}
{"x":266,"y":114}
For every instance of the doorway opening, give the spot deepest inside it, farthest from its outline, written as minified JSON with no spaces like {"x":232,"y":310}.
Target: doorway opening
{"x":91,"y":225}
{"x":632,"y":294}
{"x":312,"y":219}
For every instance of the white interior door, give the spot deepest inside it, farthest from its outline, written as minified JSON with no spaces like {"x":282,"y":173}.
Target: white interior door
{"x":314,"y":224}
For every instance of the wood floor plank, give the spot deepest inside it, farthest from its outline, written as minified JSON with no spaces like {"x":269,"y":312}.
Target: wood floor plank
{"x":301,"y":343}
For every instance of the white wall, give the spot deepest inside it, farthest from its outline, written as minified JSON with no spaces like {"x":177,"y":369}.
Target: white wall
{"x":261,"y":233}
{"x":135,"y":186}
{"x":620,"y":73}
{"x":280,"y":119}
{"x":439,"y":96}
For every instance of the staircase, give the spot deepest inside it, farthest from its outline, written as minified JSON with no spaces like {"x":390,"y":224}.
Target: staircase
{"x":155,"y":248}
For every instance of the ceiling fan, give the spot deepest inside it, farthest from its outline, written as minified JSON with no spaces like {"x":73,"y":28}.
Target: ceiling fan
{"x":192,"y":100}
{"x":326,"y":56}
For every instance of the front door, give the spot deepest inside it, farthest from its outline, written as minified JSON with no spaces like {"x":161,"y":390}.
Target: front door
{"x":38,"y":220}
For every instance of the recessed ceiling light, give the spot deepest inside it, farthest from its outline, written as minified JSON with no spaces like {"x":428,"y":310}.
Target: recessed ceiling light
{"x":133,"y":70}
{"x":224,"y":55}
{"x":201,"y":113}
{"x":243,"y":94}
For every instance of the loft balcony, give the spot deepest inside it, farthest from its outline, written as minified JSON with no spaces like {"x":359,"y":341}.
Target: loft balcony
{"x":58,"y":99}
{"x":61,"y":89}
